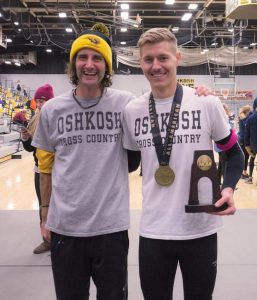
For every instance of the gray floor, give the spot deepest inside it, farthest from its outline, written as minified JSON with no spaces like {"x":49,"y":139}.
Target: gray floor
{"x":26,"y":276}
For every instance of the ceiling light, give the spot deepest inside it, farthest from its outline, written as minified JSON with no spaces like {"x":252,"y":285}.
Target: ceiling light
{"x":175,"y":29}
{"x":124,"y":29}
{"x":123,"y":43}
{"x":62,"y":14}
{"x":8,"y":40}
{"x":253,"y":44}
{"x":169,"y":1}
{"x":48,"y":50}
{"x":124,"y":15}
{"x":192,"y":6}
{"x":7,"y":62}
{"x":231,"y":29}
{"x":68,"y":29}
{"x":0,"y":15}
{"x":186,"y":17}
{"x":17,"y":64}
{"x":136,"y":25}
{"x":214,"y":44}
{"x":16,"y":23}
{"x":245,"y":47}
{"x":31,"y":42}
{"x":124,"y":6}
{"x":19,"y":29}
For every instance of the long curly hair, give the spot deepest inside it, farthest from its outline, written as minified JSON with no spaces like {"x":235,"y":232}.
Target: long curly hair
{"x":71,"y":72}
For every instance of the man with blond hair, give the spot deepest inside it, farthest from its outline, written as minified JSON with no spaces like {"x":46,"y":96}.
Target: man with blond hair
{"x":167,"y":125}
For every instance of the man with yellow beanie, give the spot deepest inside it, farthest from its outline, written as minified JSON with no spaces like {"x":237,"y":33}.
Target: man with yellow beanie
{"x":85,"y":194}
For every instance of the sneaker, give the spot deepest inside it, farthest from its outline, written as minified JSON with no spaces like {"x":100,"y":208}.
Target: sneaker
{"x":43,"y":247}
{"x":249,"y":180}
{"x":243,"y":176}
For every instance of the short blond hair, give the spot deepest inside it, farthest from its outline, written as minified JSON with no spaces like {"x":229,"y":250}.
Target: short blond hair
{"x":244,"y":111}
{"x":157,"y":35}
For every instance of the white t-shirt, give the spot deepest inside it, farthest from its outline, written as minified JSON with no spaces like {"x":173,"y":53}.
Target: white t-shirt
{"x":90,"y":194}
{"x":201,"y":120}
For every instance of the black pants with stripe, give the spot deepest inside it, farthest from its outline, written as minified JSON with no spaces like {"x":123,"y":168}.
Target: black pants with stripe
{"x":158,"y":261}
{"x":77,"y":259}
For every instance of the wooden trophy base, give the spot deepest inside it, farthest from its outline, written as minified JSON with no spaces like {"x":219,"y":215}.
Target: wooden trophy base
{"x":204,"y":208}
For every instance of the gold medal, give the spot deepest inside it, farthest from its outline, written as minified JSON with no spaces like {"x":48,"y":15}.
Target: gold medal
{"x":204,"y":162}
{"x":164,"y":175}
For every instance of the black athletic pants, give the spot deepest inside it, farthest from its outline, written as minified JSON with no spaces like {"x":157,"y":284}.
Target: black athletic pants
{"x":158,"y":260}
{"x":251,"y":165}
{"x":76,"y":259}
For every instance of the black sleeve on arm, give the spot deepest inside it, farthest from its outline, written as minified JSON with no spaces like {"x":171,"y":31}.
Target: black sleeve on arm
{"x":225,"y":140}
{"x":134,"y":158}
{"x":27,"y":145}
{"x":234,"y":166}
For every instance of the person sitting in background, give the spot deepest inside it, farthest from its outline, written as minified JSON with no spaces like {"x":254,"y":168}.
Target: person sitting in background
{"x":43,"y":94}
{"x":251,"y":140}
{"x":18,"y":87}
{"x":20,"y":118}
{"x":25,"y":94}
{"x":244,"y":113}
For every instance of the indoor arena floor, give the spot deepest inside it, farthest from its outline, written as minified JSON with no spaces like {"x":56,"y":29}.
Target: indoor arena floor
{"x":26,"y":276}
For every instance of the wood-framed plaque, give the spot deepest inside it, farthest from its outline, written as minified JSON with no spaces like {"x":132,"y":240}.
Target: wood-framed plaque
{"x":204,"y":166}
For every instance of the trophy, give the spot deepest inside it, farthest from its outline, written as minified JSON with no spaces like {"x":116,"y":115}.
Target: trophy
{"x":204,"y":166}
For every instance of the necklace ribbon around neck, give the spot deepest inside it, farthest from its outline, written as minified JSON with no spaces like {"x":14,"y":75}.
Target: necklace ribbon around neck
{"x":164,"y":175}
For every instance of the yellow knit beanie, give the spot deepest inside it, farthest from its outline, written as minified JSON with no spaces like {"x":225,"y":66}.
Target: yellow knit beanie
{"x":96,"y":39}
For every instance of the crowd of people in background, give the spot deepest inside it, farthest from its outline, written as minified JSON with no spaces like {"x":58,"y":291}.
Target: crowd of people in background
{"x":246,"y":128}
{"x":17,"y":104}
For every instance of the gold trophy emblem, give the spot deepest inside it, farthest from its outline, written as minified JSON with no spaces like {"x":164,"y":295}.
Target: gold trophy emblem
{"x":204,"y":162}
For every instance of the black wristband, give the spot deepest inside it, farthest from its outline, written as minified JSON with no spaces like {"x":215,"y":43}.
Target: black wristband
{"x":44,"y":205}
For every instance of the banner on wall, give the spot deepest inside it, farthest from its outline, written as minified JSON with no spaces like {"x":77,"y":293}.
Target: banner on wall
{"x":187,"y":82}
{"x":224,"y":56}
